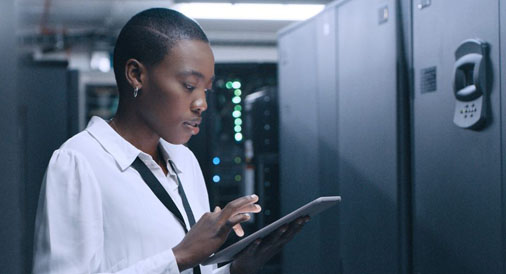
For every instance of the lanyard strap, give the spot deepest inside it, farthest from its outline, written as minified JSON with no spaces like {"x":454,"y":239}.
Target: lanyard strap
{"x":158,"y":190}
{"x":186,"y":205}
{"x":164,"y":197}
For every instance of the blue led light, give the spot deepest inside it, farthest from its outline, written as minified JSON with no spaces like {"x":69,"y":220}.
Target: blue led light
{"x":216,"y":178}
{"x":216,"y":161}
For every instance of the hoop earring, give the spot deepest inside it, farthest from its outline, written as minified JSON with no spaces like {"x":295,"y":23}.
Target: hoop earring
{"x":136,"y":91}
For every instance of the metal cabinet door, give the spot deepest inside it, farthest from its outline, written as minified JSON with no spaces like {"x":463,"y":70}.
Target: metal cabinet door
{"x":299,"y":141}
{"x":456,"y":172}
{"x":368,"y":136}
{"x":326,"y":30}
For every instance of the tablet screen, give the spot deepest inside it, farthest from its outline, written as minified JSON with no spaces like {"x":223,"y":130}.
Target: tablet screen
{"x":309,"y":209}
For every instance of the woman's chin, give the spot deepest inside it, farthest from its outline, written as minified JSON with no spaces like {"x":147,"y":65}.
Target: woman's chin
{"x":179,"y":140}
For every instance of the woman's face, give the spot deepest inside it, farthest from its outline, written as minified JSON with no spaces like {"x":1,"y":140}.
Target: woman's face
{"x":174,"y":91}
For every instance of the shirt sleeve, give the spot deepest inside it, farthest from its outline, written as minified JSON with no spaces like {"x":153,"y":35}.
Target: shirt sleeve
{"x":69,"y":233}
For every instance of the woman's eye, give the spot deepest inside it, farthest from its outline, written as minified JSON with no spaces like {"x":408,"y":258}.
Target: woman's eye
{"x":189,"y":87}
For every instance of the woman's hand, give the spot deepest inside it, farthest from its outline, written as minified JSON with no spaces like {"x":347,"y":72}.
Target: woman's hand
{"x":252,"y":259}
{"x":211,"y":231}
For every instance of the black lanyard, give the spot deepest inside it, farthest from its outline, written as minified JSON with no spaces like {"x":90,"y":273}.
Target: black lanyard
{"x":164,"y":197}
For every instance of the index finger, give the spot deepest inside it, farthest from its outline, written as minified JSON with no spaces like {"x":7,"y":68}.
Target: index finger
{"x":236,"y":205}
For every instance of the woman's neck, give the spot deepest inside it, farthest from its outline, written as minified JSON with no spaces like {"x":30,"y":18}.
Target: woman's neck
{"x":135,"y":131}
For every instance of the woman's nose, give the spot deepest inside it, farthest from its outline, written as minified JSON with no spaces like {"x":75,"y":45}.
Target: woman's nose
{"x":200,"y":104}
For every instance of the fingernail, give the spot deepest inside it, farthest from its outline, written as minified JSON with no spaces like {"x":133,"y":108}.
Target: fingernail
{"x":258,"y":207}
{"x":253,"y":196}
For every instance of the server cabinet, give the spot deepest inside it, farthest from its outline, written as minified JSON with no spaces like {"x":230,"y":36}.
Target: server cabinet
{"x":340,"y":108}
{"x":369,"y":166}
{"x":327,"y":137}
{"x":458,"y":213}
{"x":46,"y":122}
{"x":11,"y":252}
{"x":502,"y":22}
{"x":299,"y":141}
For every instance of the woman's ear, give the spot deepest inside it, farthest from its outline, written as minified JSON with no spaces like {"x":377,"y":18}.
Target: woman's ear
{"x":134,"y":73}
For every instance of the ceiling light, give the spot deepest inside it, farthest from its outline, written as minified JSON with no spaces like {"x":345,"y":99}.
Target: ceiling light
{"x":288,"y":12}
{"x":100,"y":60}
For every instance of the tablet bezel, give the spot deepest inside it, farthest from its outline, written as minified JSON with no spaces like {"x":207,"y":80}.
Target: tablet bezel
{"x":310,"y":209}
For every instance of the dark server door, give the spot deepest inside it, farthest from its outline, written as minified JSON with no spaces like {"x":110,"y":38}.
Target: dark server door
{"x":299,"y":141}
{"x":456,"y":171}
{"x":326,"y":30}
{"x":368,"y":136}
{"x":46,"y":122}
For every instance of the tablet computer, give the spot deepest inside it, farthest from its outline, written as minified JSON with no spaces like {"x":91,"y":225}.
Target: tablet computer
{"x":309,"y":209}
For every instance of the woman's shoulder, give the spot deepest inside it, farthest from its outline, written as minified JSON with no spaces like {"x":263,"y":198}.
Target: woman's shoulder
{"x":78,"y":146}
{"x":78,"y":156}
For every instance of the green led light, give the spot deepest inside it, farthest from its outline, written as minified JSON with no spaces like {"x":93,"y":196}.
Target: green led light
{"x":237,"y":128}
{"x":237,"y":92}
{"x":229,"y":85}
{"x":237,"y":160}
{"x":236,"y":100}
{"x":236,"y":114}
{"x":238,"y":121}
{"x":237,"y":178}
{"x":238,"y":137}
{"x":236,"y":84}
{"x":238,"y":108}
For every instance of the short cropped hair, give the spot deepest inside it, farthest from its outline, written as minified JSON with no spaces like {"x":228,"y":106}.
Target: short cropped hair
{"x":149,"y":35}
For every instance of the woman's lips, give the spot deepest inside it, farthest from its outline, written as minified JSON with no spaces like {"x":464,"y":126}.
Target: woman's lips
{"x":193,"y":126}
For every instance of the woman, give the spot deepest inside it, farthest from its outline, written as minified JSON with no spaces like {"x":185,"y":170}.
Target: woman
{"x":98,"y":212}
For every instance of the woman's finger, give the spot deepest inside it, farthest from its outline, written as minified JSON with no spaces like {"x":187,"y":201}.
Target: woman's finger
{"x":238,"y":230}
{"x":249,"y":208}
{"x":236,"y":205}
{"x":238,"y":218}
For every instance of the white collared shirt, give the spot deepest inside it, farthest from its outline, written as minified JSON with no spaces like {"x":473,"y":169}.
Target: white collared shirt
{"x":97,"y":215}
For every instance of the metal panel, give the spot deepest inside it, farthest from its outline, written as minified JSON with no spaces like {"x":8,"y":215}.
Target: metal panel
{"x":45,"y":127}
{"x":327,"y":136}
{"x":456,"y":172}
{"x":299,"y":142}
{"x":502,"y":29}
{"x":11,"y":257}
{"x":368,"y":136}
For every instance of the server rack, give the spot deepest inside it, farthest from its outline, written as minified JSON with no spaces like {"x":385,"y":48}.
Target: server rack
{"x":262,"y":159}
{"x":46,"y":120}
{"x":458,"y":179}
{"x":422,"y":183}
{"x":342,"y":107}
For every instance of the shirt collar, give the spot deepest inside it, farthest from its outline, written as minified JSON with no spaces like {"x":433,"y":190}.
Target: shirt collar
{"x":123,"y":152}
{"x":171,"y":152}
